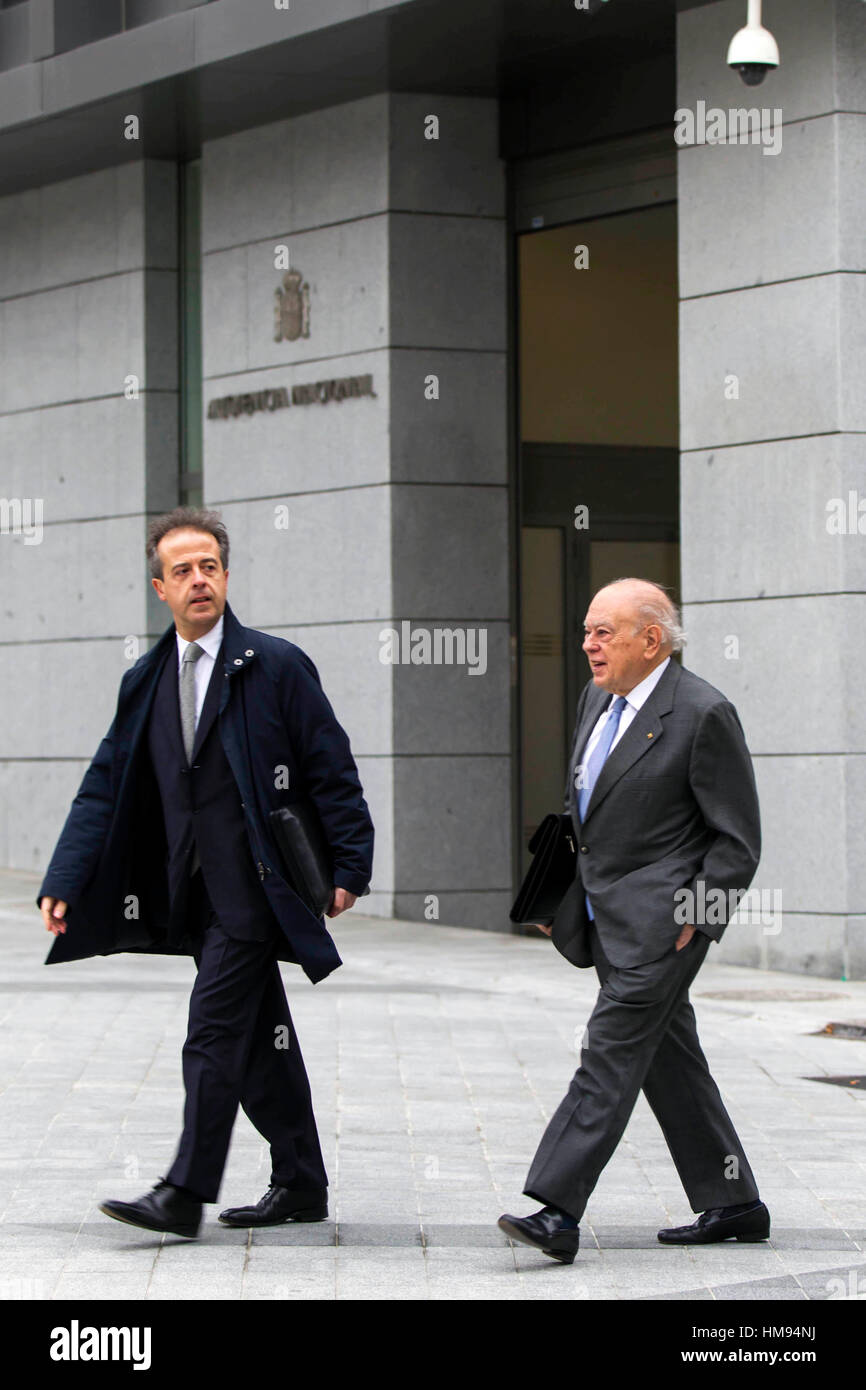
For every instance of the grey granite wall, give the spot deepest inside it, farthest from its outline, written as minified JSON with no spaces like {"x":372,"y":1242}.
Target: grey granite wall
{"x":88,"y":442}
{"x":773,"y":359}
{"x":354,"y":516}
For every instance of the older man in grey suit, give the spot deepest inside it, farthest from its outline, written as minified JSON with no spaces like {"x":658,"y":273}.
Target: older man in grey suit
{"x":662,"y":796}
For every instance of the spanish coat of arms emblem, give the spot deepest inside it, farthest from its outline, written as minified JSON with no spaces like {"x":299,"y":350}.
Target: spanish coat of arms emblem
{"x":292,"y":308}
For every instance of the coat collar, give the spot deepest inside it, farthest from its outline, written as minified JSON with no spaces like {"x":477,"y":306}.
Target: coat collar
{"x":239,"y":649}
{"x":240,"y":644}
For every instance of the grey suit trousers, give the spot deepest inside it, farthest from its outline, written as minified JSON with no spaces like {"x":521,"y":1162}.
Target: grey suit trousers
{"x":642,"y":1035}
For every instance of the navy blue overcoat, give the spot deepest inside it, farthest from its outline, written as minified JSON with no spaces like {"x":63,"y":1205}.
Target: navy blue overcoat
{"x":283,"y":743}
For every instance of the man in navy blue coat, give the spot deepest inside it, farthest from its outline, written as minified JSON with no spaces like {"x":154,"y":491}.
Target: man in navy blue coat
{"x":168,"y":849}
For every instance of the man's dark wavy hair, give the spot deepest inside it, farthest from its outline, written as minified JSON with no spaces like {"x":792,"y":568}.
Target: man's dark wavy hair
{"x":186,"y":519}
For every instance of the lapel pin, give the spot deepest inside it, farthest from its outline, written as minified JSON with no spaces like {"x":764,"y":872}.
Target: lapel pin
{"x":649,"y":735}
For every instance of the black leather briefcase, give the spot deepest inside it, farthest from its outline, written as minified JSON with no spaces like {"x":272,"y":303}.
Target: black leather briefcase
{"x":306,"y":856}
{"x":550,"y":874}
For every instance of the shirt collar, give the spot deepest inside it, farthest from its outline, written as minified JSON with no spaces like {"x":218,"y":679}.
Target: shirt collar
{"x":638,"y":697}
{"x":209,"y":643}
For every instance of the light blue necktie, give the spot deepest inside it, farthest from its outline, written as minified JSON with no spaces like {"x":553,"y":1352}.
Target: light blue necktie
{"x":596,"y":763}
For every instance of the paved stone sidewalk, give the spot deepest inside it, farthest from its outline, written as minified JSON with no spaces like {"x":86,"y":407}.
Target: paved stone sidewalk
{"x":436,"y":1055}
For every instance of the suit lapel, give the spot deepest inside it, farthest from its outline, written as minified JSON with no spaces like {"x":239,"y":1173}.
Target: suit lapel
{"x":642,"y":734}
{"x":211,"y":703}
{"x":167,"y":704}
{"x":595,"y":703}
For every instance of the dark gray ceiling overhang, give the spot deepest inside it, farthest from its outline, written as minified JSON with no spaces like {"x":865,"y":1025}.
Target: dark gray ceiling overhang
{"x":230,"y":65}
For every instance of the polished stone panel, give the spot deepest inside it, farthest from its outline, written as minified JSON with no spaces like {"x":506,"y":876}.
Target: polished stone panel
{"x":88,"y":301}
{"x":350,"y":517}
{"x":772,"y":360}
{"x":784,"y":508}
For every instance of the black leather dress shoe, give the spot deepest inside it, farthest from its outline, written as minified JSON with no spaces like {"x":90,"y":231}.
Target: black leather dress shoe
{"x":166,"y":1208}
{"x":722,"y":1223}
{"x":279,"y":1204}
{"x":546,"y":1231}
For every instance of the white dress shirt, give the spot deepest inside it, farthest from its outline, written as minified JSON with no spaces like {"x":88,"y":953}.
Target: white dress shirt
{"x":210,"y":645}
{"x":635,"y":700}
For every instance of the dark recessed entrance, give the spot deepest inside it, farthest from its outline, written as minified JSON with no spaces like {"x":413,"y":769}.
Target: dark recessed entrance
{"x":598,"y":456}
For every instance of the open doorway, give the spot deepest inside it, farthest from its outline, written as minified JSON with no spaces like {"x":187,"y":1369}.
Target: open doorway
{"x":598,"y":456}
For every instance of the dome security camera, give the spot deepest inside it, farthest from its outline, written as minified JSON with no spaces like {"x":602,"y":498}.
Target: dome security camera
{"x":753,"y":51}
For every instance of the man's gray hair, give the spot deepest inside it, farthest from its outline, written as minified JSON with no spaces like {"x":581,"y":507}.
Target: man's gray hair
{"x":186,"y":519}
{"x":662,"y":611}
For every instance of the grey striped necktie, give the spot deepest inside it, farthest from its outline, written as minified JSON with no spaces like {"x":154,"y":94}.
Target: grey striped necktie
{"x":187,"y":696}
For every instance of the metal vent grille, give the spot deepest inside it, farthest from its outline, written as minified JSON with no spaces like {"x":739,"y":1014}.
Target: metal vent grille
{"x":542,"y":644}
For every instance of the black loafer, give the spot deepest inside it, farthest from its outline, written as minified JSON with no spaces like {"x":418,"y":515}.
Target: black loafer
{"x":722,"y":1223}
{"x":279,"y":1204}
{"x":544,"y":1230}
{"x":165,"y":1209}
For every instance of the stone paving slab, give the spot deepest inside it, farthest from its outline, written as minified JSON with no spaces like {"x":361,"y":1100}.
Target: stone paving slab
{"x":436,"y":1055}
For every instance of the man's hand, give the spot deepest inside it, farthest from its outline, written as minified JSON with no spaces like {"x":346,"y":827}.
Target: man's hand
{"x":547,"y":930}
{"x":341,"y":900}
{"x":53,"y":911}
{"x":685,"y":937}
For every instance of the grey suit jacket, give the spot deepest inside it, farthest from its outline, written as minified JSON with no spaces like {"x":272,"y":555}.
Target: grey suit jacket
{"x":675,"y":803}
